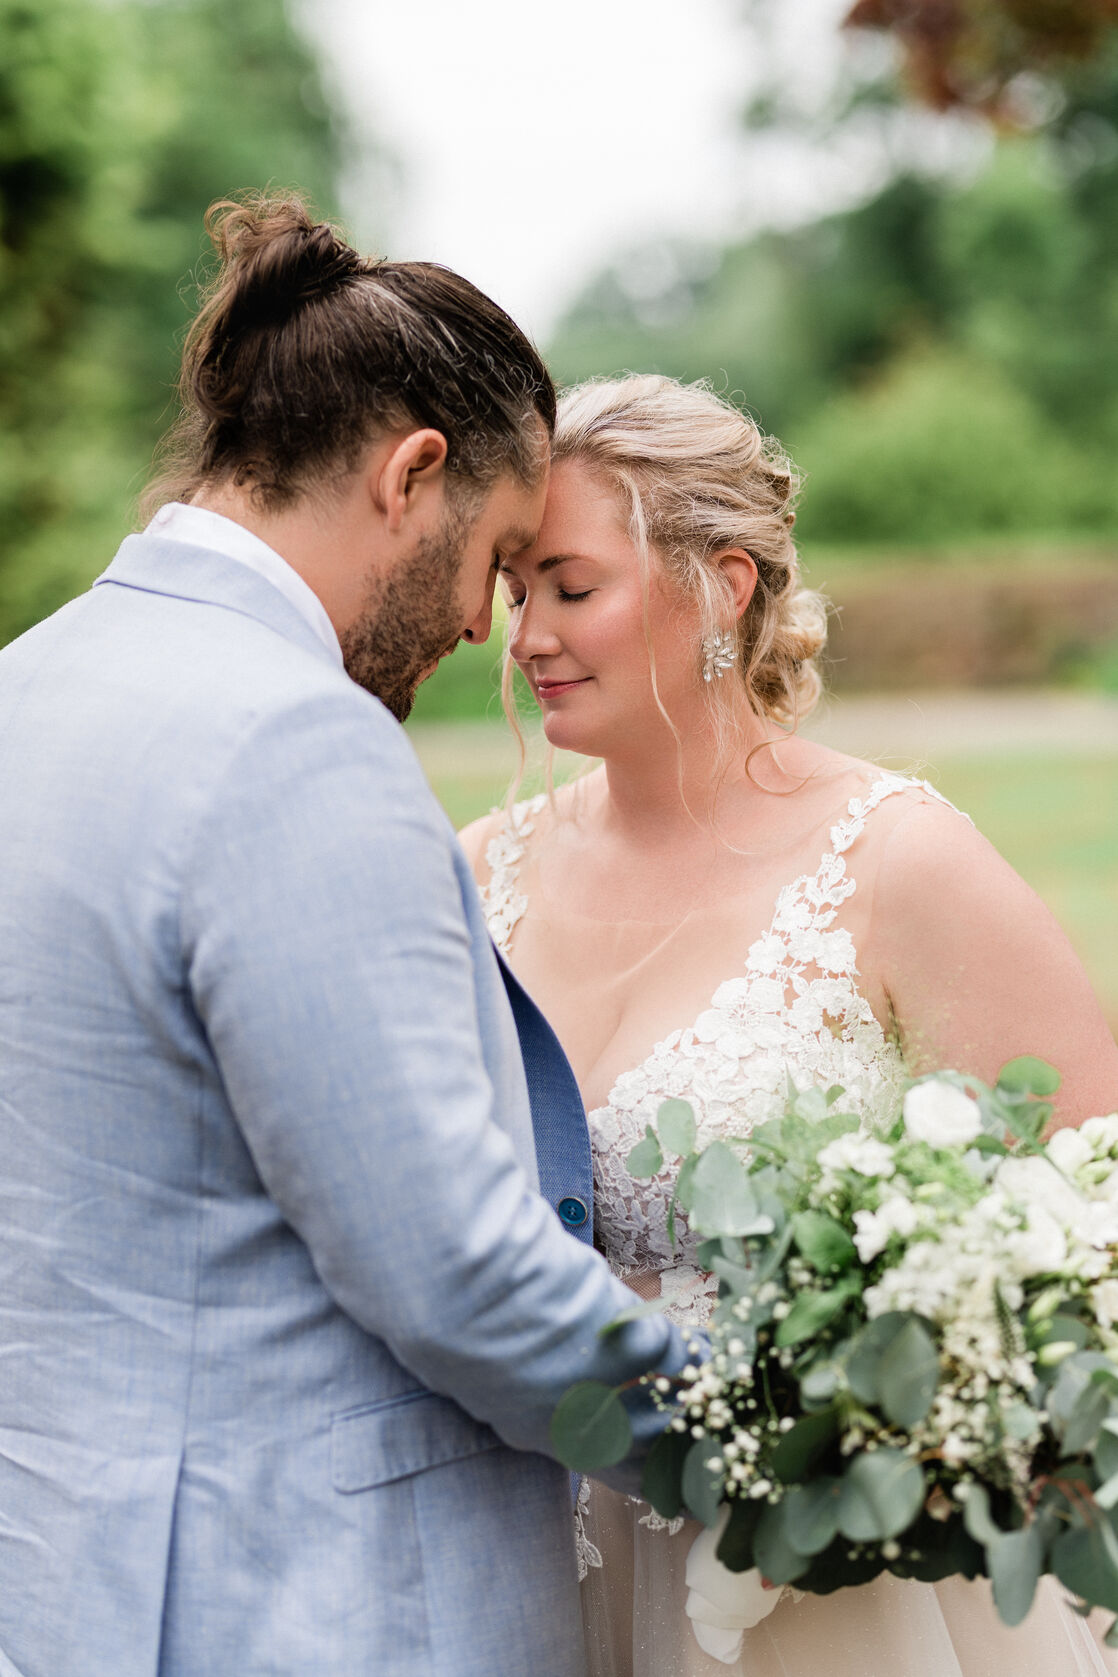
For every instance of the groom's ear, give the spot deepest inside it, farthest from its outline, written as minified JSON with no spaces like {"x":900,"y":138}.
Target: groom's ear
{"x":403,"y":470}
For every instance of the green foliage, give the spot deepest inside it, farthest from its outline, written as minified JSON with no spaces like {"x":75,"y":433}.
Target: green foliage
{"x":881,"y":1494}
{"x":942,"y":446}
{"x":119,"y":123}
{"x":942,"y":360}
{"x":590,"y":1428}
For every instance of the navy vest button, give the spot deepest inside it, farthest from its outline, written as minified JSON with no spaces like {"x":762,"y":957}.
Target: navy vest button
{"x":572,"y":1212}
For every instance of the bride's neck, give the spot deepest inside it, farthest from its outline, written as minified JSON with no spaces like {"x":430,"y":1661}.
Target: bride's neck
{"x":658,"y":796}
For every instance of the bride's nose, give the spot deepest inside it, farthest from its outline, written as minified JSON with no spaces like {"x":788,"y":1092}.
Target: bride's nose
{"x":530,"y":633}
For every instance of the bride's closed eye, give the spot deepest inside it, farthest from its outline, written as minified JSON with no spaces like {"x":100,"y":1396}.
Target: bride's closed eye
{"x":512,"y":601}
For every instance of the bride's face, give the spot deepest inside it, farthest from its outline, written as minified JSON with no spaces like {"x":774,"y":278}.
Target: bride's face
{"x":580,"y":629}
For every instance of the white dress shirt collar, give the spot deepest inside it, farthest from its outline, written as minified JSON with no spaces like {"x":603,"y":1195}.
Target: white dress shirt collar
{"x":202,"y":528}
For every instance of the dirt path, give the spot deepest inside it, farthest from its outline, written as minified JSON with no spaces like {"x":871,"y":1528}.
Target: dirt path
{"x":902,"y":729}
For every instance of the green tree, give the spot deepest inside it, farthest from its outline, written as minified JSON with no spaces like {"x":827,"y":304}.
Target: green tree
{"x":119,"y":122}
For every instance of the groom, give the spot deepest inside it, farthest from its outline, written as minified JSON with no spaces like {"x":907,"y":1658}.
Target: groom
{"x":283,"y":1319}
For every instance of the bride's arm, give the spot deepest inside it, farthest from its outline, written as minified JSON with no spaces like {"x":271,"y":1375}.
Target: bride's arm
{"x":976,"y":968}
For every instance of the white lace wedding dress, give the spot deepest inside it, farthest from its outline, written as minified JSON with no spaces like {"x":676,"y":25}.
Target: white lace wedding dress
{"x":792,"y":1007}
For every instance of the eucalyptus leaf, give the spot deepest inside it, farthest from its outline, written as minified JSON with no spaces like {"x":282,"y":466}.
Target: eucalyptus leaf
{"x":1086,"y":1419}
{"x":908,"y":1374}
{"x":739,"y":1280}
{"x":663,"y":1469}
{"x":1016,"y":1562}
{"x":1029,"y":1076}
{"x":811,"y":1515}
{"x":819,"y":1383}
{"x":1085,"y":1560}
{"x":701,"y":1485}
{"x":635,"y":1313}
{"x":1107,"y":1494}
{"x":812,"y":1311}
{"x":867,"y":1350}
{"x":823,"y":1242}
{"x":590,"y":1427}
{"x":645,"y":1159}
{"x":681,"y":1193}
{"x":722,"y":1201}
{"x":773,"y":1552}
{"x":675,"y":1122}
{"x":802,"y":1445}
{"x":882,"y":1493}
{"x":1111,"y":1637}
{"x":735,"y":1546}
{"x":977,"y":1518}
{"x":1106,"y":1450}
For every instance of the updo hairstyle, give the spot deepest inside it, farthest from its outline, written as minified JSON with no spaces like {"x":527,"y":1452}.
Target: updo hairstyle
{"x":305,"y":351}
{"x":697,"y":477}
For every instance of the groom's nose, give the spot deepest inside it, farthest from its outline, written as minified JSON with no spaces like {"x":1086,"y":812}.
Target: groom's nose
{"x":477,"y":630}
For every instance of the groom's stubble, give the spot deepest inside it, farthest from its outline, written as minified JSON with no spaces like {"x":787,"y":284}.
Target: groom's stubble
{"x":411,"y":619}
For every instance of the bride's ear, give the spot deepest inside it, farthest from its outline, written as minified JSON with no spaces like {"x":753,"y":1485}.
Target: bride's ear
{"x":740,"y":570}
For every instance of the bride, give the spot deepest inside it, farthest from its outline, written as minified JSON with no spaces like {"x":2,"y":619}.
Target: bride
{"x":722,"y":903}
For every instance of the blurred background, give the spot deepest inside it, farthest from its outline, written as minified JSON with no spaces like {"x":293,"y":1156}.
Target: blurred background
{"x":889,"y":229}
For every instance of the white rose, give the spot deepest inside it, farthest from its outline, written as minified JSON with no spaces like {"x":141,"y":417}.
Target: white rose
{"x":1069,"y":1149}
{"x":721,"y":1604}
{"x":861,"y":1153}
{"x":1104,"y":1297}
{"x":1100,"y":1224}
{"x":1040,"y":1246}
{"x":1033,"y":1181}
{"x":1101,"y":1133}
{"x":940,"y":1114}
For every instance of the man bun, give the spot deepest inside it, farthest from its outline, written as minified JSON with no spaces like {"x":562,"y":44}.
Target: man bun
{"x":304,"y":351}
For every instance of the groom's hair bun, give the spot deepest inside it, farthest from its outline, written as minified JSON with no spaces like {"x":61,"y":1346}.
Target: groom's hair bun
{"x":304,"y":351}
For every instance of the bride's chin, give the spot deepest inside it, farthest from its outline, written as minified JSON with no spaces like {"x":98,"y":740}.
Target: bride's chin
{"x":565,"y":735}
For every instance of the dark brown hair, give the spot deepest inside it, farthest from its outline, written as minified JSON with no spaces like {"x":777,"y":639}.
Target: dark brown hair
{"x":304,"y":351}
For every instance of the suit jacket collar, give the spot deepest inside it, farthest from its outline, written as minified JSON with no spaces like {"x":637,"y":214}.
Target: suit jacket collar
{"x":156,"y":565}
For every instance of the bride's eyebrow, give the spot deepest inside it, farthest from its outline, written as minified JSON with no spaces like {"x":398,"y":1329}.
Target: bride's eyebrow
{"x":547,"y":564}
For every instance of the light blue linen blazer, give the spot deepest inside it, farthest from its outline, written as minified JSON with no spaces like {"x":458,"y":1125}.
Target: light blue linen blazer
{"x":283,"y":1319}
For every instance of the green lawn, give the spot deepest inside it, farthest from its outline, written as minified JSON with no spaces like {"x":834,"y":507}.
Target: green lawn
{"x":1054,"y":818}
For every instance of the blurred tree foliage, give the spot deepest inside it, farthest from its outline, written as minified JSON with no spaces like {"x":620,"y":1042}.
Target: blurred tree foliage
{"x":120,"y":120}
{"x":977,"y":53}
{"x":941,"y":360}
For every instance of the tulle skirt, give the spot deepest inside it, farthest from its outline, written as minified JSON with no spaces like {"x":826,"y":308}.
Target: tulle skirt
{"x":635,"y":1625}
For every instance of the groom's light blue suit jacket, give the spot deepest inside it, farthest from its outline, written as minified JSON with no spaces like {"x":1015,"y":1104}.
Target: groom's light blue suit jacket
{"x":277,"y":1294}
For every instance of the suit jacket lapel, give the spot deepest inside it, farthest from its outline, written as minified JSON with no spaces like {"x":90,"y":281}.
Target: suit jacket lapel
{"x":558,"y":1118}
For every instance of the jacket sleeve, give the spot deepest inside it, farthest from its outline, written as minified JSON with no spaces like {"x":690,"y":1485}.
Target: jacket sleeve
{"x":330,"y":964}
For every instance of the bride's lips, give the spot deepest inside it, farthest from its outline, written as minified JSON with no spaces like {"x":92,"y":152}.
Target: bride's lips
{"x":553,"y":689}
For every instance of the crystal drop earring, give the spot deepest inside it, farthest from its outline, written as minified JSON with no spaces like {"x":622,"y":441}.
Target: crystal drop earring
{"x":718,"y":655}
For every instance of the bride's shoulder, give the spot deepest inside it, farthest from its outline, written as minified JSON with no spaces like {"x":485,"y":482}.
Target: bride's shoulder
{"x":501,"y":839}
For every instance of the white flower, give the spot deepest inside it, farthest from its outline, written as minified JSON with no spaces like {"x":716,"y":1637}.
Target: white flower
{"x":1033,"y":1181}
{"x":1101,"y":1133}
{"x":721,"y":1604}
{"x":861,"y":1153}
{"x":896,"y":1215}
{"x":1100,"y":1224}
{"x":1104,"y":1297}
{"x":1040,"y":1246}
{"x":1069,"y":1149}
{"x":940,"y":1114}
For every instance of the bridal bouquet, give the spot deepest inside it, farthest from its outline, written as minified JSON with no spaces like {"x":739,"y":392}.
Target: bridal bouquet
{"x":914,"y":1355}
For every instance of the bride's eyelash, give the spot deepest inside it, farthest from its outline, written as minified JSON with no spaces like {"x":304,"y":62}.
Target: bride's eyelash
{"x":585,"y":595}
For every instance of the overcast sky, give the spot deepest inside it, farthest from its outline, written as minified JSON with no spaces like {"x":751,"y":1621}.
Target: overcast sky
{"x":535,"y":142}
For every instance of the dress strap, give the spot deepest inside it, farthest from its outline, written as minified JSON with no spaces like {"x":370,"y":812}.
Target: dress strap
{"x":504,"y":905}
{"x":844,"y":832}
{"x":808,"y":906}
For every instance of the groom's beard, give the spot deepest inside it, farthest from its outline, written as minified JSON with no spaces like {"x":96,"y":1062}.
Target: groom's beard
{"x":413,"y":619}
